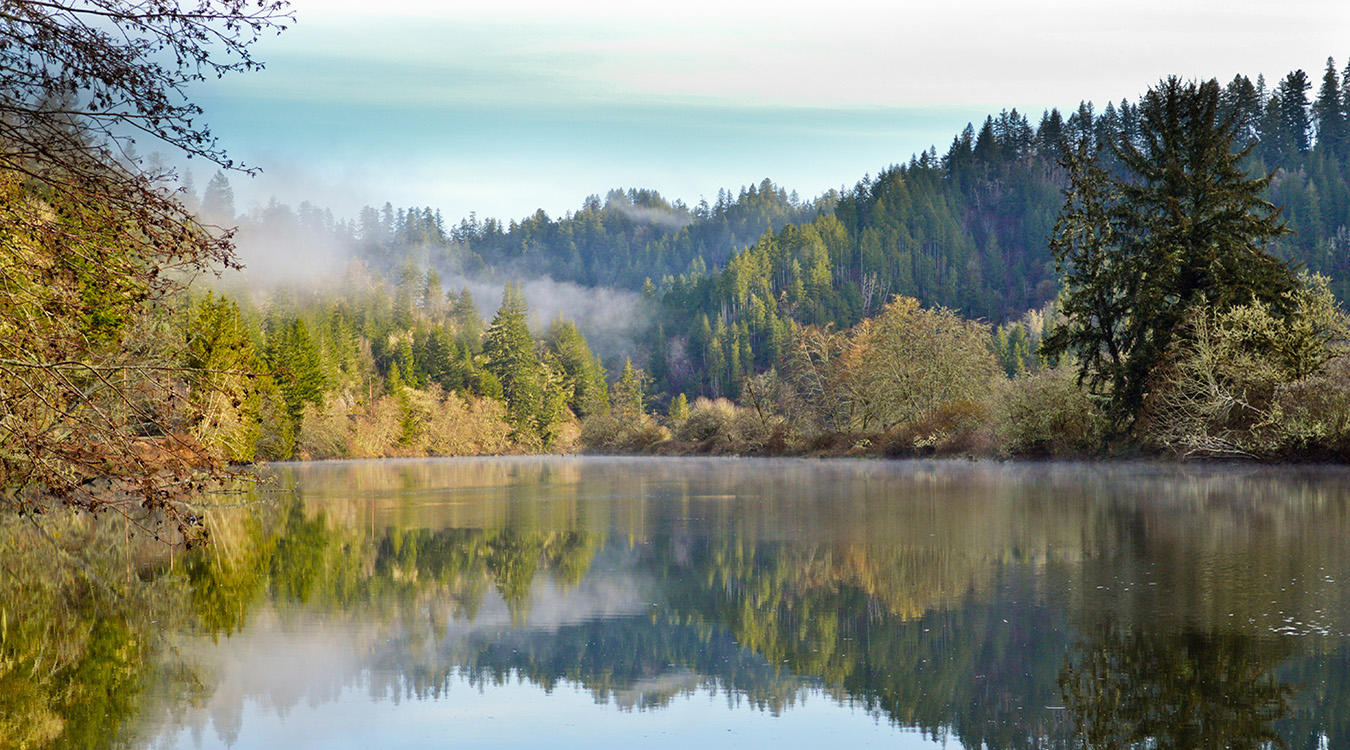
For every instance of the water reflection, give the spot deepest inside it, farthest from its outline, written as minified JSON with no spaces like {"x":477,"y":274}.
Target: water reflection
{"x":992,"y":605}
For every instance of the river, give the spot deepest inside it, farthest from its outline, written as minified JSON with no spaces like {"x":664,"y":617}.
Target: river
{"x":582,"y":602}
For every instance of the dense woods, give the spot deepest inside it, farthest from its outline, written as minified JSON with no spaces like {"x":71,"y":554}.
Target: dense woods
{"x":760,"y":295}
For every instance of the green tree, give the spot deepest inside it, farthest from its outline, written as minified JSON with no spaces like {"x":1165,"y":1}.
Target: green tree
{"x":628,"y":397}
{"x":1183,"y":228}
{"x":1329,"y":113}
{"x":294,"y":364}
{"x":218,"y":200}
{"x":225,"y":397}
{"x":512,"y":359}
{"x":912,"y":362}
{"x":679,"y":410}
{"x":583,"y":375}
{"x":468,"y":324}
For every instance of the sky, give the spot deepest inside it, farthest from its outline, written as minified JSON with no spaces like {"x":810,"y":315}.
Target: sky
{"x":506,"y":108}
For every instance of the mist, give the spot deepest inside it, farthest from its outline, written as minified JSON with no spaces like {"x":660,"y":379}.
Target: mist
{"x":308,"y":248}
{"x":612,"y":320}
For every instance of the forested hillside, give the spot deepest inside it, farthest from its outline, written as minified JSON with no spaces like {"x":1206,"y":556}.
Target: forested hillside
{"x":969,"y":230}
{"x":966,"y":229}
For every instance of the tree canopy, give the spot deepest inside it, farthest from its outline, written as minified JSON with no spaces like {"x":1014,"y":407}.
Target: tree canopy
{"x":1182,"y":228}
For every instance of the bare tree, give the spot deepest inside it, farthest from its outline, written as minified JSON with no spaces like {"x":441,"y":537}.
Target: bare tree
{"x":94,"y":247}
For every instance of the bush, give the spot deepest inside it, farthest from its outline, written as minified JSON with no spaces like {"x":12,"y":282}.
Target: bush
{"x":414,"y":422}
{"x":708,"y":419}
{"x":1310,"y":418}
{"x":1250,"y":382}
{"x":1047,"y":414}
{"x":610,"y":433}
{"x":960,"y":426}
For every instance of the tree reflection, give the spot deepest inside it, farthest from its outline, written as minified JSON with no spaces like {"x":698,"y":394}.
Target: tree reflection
{"x":973,"y":617}
{"x":80,"y":606}
{"x":1187,"y":689}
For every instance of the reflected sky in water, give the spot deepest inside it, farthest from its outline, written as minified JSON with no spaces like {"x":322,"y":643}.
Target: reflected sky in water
{"x":521,"y":714}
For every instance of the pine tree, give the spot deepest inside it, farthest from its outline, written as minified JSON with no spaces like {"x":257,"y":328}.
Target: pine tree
{"x":628,"y":396}
{"x":1329,"y":114}
{"x":294,"y":364}
{"x":225,"y":399}
{"x":584,"y":377}
{"x":218,"y":199}
{"x":1183,"y":230}
{"x":512,"y":359}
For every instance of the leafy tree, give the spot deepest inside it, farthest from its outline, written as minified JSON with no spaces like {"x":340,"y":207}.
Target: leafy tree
{"x":1183,"y":228}
{"x":911,"y":362}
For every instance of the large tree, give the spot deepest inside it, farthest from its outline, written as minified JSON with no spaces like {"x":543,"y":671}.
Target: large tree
{"x":1182,"y":228}
{"x":534,"y":392}
{"x":92,"y":242}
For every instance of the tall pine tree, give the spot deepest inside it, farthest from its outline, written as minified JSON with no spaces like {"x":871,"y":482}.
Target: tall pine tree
{"x":1183,"y":230}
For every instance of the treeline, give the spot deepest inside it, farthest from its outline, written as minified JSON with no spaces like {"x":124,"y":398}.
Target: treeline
{"x":967,"y":230}
{"x":1176,"y":328}
{"x":625,"y":240}
{"x":370,"y":369}
{"x":762,"y":297}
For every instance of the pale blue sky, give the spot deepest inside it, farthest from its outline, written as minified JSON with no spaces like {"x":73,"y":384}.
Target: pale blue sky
{"x":503,"y":109}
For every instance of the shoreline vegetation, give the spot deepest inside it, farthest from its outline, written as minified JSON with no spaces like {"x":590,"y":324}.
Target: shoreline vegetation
{"x":853,"y":393}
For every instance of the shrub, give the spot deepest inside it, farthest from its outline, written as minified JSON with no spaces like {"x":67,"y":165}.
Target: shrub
{"x":959,"y":426}
{"x":1047,"y":414}
{"x":414,"y":422}
{"x":1310,"y":417}
{"x":708,"y":419}
{"x":610,"y":433}
{"x":1253,"y":383}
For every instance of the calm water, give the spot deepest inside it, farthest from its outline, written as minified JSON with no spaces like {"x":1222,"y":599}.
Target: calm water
{"x":580,"y":602}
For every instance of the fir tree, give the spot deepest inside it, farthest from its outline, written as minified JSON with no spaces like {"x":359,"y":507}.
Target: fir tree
{"x":512,"y":359}
{"x":1183,"y":230}
{"x":1329,"y":113}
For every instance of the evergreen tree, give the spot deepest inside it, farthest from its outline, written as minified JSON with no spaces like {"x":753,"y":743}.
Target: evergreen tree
{"x":1292,"y":93}
{"x":628,"y":396}
{"x":218,"y":199}
{"x":1183,"y":230}
{"x":225,"y":396}
{"x":1329,"y":113}
{"x":294,"y":364}
{"x":464,"y":313}
{"x":679,"y":410}
{"x":1242,"y":102}
{"x":512,"y":359}
{"x":583,"y":375}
